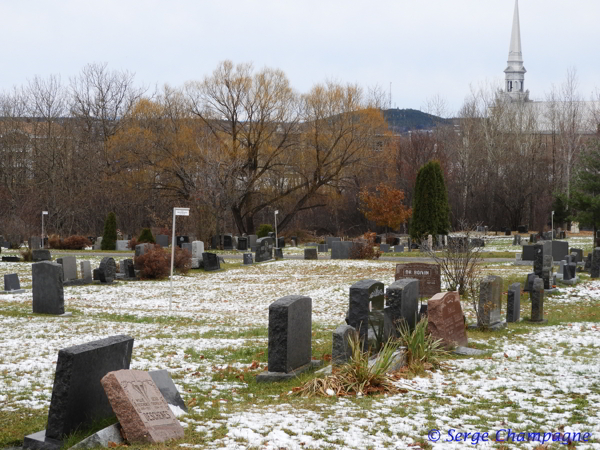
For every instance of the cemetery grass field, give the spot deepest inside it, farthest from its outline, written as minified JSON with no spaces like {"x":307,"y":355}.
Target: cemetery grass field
{"x":534,"y":378}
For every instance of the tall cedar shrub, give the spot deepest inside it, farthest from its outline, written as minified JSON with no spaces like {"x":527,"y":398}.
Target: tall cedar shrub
{"x":264,"y":230}
{"x":109,"y":238}
{"x":431,"y":212}
{"x":146,"y":236}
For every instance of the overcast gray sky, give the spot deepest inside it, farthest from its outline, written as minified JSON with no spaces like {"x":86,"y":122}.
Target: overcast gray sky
{"x":424,"y":47}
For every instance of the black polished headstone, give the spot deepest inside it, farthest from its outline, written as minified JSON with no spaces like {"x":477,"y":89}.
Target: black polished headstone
{"x":227,"y":242}
{"x":264,"y":249}
{"x":595,"y":265}
{"x":310,"y":253}
{"x":242,"y":243}
{"x":41,"y":255}
{"x":403,"y":301}
{"x":78,"y":398}
{"x":281,"y":241}
{"x":47,"y":288}
{"x":11,"y":259}
{"x":211,"y":261}
{"x":182,"y":239}
{"x":365,"y":296}
{"x":537,"y":301}
{"x":290,"y":328}
{"x":11,"y":282}
{"x":248,"y":258}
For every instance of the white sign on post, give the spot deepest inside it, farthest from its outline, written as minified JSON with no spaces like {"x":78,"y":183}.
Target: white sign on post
{"x":45,"y":212}
{"x":176,"y":212}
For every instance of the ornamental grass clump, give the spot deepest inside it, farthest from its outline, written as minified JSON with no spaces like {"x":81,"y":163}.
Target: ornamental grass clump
{"x":423,"y":351}
{"x":359,"y":376}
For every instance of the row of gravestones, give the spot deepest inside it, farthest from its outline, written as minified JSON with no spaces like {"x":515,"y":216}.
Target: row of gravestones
{"x":93,"y":383}
{"x":556,"y":249}
{"x":245,"y":242}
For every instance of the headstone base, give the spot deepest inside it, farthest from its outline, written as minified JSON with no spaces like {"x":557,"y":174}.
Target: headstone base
{"x":494,"y":327}
{"x":571,"y":282}
{"x":102,"y":438}
{"x":537,"y":322}
{"x":14,"y":291}
{"x":270,"y":377}
{"x":39,"y":441}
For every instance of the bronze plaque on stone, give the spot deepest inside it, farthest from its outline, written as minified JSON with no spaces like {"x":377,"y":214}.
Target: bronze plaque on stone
{"x":140,"y":407}
{"x":445,"y":319}
{"x":427,"y":274}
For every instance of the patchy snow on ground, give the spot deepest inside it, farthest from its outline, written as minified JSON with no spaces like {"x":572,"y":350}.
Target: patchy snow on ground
{"x":542,"y":380}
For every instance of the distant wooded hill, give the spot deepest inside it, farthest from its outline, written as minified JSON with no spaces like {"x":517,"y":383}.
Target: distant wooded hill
{"x":403,"y":120}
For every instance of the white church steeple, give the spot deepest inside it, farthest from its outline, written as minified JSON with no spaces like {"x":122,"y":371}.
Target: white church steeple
{"x":515,"y":72}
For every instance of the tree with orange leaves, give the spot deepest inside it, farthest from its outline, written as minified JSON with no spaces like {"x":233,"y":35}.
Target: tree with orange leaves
{"x":386,"y":209}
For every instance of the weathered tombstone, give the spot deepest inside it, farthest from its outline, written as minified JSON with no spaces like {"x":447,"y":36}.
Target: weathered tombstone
{"x":403,"y":302}
{"x":385,"y":248}
{"x":264,"y":249}
{"x":579,"y":253}
{"x":78,"y":399}
{"x":513,"y":303}
{"x":197,"y":249}
{"x":227,"y":242}
{"x":69,"y":265}
{"x":515,"y":239}
{"x":537,"y":301}
{"x":529,"y":282}
{"x":533,"y":239}
{"x":211,"y":261}
{"x":109,"y":268}
{"x":281,"y":242}
{"x":35,"y":242}
{"x":128,"y":268}
{"x":294,"y":240}
{"x":322,"y":248}
{"x":252,"y":238}
{"x":365,"y":296}
{"x":547,"y":272}
{"x":540,"y":250}
{"x":167,"y":388}
{"x":12,"y":284}
{"x":248,"y":258}
{"x":98,"y":243}
{"x":162,"y":240}
{"x":330,"y":240}
{"x":428,"y":275}
{"x":490,"y":303}
{"x":141,"y":249}
{"x":41,"y":255}
{"x":445,"y":319}
{"x":430,"y":242}
{"x":559,"y":250}
{"x":86,"y":271}
{"x":187,"y":246}
{"x":242,"y":243}
{"x":140,"y":407}
{"x":310,"y":253}
{"x":122,"y":245}
{"x":341,"y":249}
{"x":341,"y":351}
{"x":398,"y":249}
{"x":47,"y":288}
{"x":290,"y":351}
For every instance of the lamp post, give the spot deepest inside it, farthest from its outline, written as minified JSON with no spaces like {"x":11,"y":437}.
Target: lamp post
{"x":44,"y":213}
{"x":276,"y":241}
{"x":176,"y":212}
{"x":552,"y":226}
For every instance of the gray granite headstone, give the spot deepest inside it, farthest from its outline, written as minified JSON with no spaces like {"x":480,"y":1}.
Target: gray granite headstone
{"x":341,"y":350}
{"x":248,"y":258}
{"x":490,"y":301}
{"x":595,"y":266}
{"x":78,"y":399}
{"x":35,"y":242}
{"x":537,"y":301}
{"x":566,"y":272}
{"x":69,"y":264}
{"x":109,"y":267}
{"x":12,"y":284}
{"x":573,"y":269}
{"x":330,"y":240}
{"x":40,"y":255}
{"x":290,"y":328}
{"x":310,"y":253}
{"x":211,"y":261}
{"x":399,"y":249}
{"x":167,"y":388}
{"x":384,"y":248}
{"x":559,"y":250}
{"x":162,"y":240}
{"x":187,"y":246}
{"x":252,"y":238}
{"x":197,"y":249}
{"x":86,"y":271}
{"x":322,"y":248}
{"x":141,"y":249}
{"x":579,"y":253}
{"x":47,"y":288}
{"x":513,"y":304}
{"x":529,"y":282}
{"x":122,"y":245}
{"x":341,"y":249}
{"x":403,"y":301}
{"x":528,"y":253}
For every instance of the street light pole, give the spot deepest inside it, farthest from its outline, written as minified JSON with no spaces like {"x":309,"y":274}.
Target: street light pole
{"x":276,"y":241}
{"x":44,"y":213}
{"x":552,"y":226}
